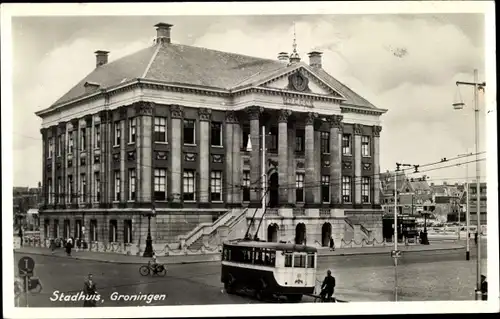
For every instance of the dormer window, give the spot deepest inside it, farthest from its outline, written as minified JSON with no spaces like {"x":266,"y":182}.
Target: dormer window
{"x":91,"y":87}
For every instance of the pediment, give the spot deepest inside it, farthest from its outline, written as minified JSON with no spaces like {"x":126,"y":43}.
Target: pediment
{"x":301,"y":80}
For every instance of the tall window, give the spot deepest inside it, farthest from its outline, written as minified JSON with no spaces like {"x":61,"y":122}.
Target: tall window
{"x":325,"y":142}
{"x":188,"y":185}
{"x":131,"y":183}
{"x":70,"y":141}
{"x":299,"y":140}
{"x":346,"y":189}
{"x":216,"y":186}
{"x":60,"y":144}
{"x":56,"y":228}
{"x":46,"y":226}
{"x":325,"y":188}
{"x":49,"y":189}
{"x":160,"y":183}
{"x":66,"y":228}
{"x":273,"y":139}
{"x":93,"y":230}
{"x":216,"y":134}
{"x":365,"y":190}
{"x":127,"y":231}
{"x":245,"y":136}
{"x":71,"y":189}
{"x":118,"y":133}
{"x":117,"y":186}
{"x":59,"y":190}
{"x":78,"y":228}
{"x":189,"y":132}
{"x":346,"y":144}
{"x":131,"y":130}
{"x":365,"y":145}
{"x":97,"y":136}
{"x":160,"y":134}
{"x":299,"y":187}
{"x":97,"y":186}
{"x":51,"y":147}
{"x":246,"y":186}
{"x":113,"y":231}
{"x":83,"y":187}
{"x":83,"y":139}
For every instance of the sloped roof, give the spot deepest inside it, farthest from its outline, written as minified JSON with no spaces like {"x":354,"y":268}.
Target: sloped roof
{"x":196,"y":66}
{"x":420,"y":185}
{"x":387,"y":180}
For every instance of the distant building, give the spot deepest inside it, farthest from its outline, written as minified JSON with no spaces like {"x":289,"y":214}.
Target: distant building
{"x":25,"y":199}
{"x":473,"y":204}
{"x":447,"y":201}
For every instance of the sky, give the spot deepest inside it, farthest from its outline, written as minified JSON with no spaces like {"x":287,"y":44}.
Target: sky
{"x":407,"y":64}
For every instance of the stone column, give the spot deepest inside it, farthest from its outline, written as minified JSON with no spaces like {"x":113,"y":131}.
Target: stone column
{"x":283,"y":156}
{"x":310,"y":175}
{"x":229,"y":136}
{"x":76,"y":161}
{"x":376,"y":164}
{"x":255,"y":170}
{"x":53,"y":161}
{"x":90,"y":157}
{"x":106,"y":156}
{"x":144,"y":149}
{"x":67,"y":170}
{"x":357,"y":163}
{"x":204,"y":158}
{"x":177,"y":113}
{"x":291,"y":164}
{"x":236,"y":165}
{"x":62,"y":194}
{"x":45,"y":146}
{"x":123,"y":158}
{"x":335,"y":159}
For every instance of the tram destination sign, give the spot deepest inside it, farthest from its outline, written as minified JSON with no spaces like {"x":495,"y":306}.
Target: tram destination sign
{"x":300,"y":101}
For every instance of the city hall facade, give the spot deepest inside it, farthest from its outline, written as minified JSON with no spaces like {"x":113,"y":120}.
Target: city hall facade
{"x":172,"y":136}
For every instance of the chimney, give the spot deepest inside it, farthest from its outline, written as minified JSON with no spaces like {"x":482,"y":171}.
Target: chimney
{"x":163,"y":32}
{"x":283,"y":56}
{"x":444,"y":183}
{"x":432,"y":184}
{"x":315,"y":59}
{"x":101,"y":58}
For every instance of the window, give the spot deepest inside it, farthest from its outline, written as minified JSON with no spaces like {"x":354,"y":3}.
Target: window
{"x":59,"y":190}
{"x":131,"y":130}
{"x":299,"y":187}
{"x":97,"y":136}
{"x":189,"y":132}
{"x":346,"y":189}
{"x":60,"y":144}
{"x":70,"y":142}
{"x":325,"y":142}
{"x":299,"y":261}
{"x":160,"y":133}
{"x":325,"y":188}
{"x":71,"y":188}
{"x":365,"y":145}
{"x":117,"y":186}
{"x":118,"y":133}
{"x":93,"y":230}
{"x":78,"y":228}
{"x":273,"y":139}
{"x":299,"y":140}
{"x":245,"y":136}
{"x":288,"y":259}
{"x":216,"y":186}
{"x":131,"y":183}
{"x":160,"y":183}
{"x":56,"y":228}
{"x":51,"y":147}
{"x":216,"y":134}
{"x":188,"y":185}
{"x":113,"y":231}
{"x":83,"y":139}
{"x":246,"y":186}
{"x":310,"y":260}
{"x":365,"y":190}
{"x":83,"y":187}
{"x":346,"y":144}
{"x":97,"y":186}
{"x":127,"y":231}
{"x":49,"y":189}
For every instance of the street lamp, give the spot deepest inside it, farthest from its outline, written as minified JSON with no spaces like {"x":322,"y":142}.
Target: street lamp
{"x":458,"y":105}
{"x":148,"y":252}
{"x":467,"y":216}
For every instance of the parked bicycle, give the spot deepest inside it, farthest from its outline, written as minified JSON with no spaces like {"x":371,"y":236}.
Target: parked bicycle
{"x":153,"y":269}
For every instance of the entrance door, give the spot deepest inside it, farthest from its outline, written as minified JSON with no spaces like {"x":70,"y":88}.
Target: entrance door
{"x":300,"y":234}
{"x":273,"y":190}
{"x":326,"y":234}
{"x":272,"y":233}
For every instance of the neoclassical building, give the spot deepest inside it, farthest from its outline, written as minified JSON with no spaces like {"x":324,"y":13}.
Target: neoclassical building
{"x":173,"y":135}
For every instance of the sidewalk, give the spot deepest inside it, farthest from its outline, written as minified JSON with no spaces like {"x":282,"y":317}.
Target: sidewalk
{"x":212,"y":257}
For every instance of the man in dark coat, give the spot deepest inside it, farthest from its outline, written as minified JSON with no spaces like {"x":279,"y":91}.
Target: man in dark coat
{"x":332,"y":243}
{"x":90,"y":291}
{"x":21,"y":235}
{"x":328,"y":286}
{"x":484,"y":288}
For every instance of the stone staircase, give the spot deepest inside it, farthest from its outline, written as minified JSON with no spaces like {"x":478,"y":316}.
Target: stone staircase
{"x":356,"y":231}
{"x":198,"y":243}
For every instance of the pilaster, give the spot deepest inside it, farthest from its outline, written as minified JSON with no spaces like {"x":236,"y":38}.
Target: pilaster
{"x":89,"y":132}
{"x":335,"y":160}
{"x":376,"y":164}
{"x":177,"y":113}
{"x":229,"y":134}
{"x":76,"y":160}
{"x":106,"y":158}
{"x":123,"y":145}
{"x":43,"y":131}
{"x":205,"y":116}
{"x":317,"y":166}
{"x":291,"y":164}
{"x":310,"y":175}
{"x":144,"y":148}
{"x":53,"y":160}
{"x":283,"y":156}
{"x":357,"y":163}
{"x":236,"y":162}
{"x":255,"y":170}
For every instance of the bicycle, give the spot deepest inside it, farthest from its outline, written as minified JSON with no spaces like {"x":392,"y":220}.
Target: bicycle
{"x":158,"y":269}
{"x":322,"y":298}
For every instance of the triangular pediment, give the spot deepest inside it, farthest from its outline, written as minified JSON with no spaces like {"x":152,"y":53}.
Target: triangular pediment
{"x":300,"y":80}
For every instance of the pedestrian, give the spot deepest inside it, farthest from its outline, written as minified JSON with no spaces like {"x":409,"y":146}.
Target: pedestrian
{"x":475,"y":237}
{"x":484,"y":288}
{"x":21,"y":235}
{"x":78,"y":244}
{"x":89,"y":289}
{"x":332,"y":244}
{"x":328,"y":287}
{"x":68,"y":247}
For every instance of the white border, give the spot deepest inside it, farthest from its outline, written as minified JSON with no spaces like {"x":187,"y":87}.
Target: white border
{"x":9,"y":10}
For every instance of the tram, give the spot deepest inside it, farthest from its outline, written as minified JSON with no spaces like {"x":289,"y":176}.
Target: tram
{"x":268,"y":269}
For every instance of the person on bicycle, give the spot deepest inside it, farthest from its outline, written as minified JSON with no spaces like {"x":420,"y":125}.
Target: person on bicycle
{"x":153,"y":262}
{"x":328,"y":286}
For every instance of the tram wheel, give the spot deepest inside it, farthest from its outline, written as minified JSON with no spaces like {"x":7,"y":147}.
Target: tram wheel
{"x":229,"y":285}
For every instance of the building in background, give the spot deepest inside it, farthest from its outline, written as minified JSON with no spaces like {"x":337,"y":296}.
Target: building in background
{"x":473,"y":203}
{"x":172,"y":135}
{"x":26,"y":200}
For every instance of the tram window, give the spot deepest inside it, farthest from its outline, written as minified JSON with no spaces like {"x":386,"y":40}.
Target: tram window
{"x":258,"y":257}
{"x":272,"y":258}
{"x":288,"y":260}
{"x":299,"y":261}
{"x":310,"y":260}
{"x":224,"y":254}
